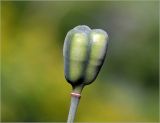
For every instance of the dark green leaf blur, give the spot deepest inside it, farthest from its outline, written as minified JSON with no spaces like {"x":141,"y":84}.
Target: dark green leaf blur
{"x":33,"y":86}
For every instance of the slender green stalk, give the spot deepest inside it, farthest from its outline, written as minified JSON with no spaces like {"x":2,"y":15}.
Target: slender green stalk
{"x":74,"y":103}
{"x":73,"y":109}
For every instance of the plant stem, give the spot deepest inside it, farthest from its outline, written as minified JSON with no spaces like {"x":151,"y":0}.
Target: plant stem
{"x":74,"y":103}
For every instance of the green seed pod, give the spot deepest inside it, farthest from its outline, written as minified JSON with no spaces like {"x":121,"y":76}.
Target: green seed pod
{"x":84,"y":53}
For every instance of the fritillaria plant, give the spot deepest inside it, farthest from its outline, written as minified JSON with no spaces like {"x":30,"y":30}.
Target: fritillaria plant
{"x":84,"y":52}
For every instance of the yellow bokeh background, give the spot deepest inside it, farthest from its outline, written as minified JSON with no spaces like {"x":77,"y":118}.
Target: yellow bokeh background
{"x":33,"y":85}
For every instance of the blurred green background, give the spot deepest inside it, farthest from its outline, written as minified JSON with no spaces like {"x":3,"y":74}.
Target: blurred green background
{"x":33,"y":86}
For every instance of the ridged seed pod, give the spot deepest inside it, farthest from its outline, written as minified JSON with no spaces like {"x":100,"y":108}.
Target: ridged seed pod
{"x":84,"y":53}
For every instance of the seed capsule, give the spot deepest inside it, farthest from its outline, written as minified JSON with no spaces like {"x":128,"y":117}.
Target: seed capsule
{"x":84,"y":53}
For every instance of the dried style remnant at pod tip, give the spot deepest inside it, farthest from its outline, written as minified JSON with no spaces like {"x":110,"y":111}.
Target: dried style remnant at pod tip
{"x":84,"y":53}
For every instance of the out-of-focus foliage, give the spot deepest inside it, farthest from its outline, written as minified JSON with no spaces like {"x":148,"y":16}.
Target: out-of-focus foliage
{"x":33,"y":86}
